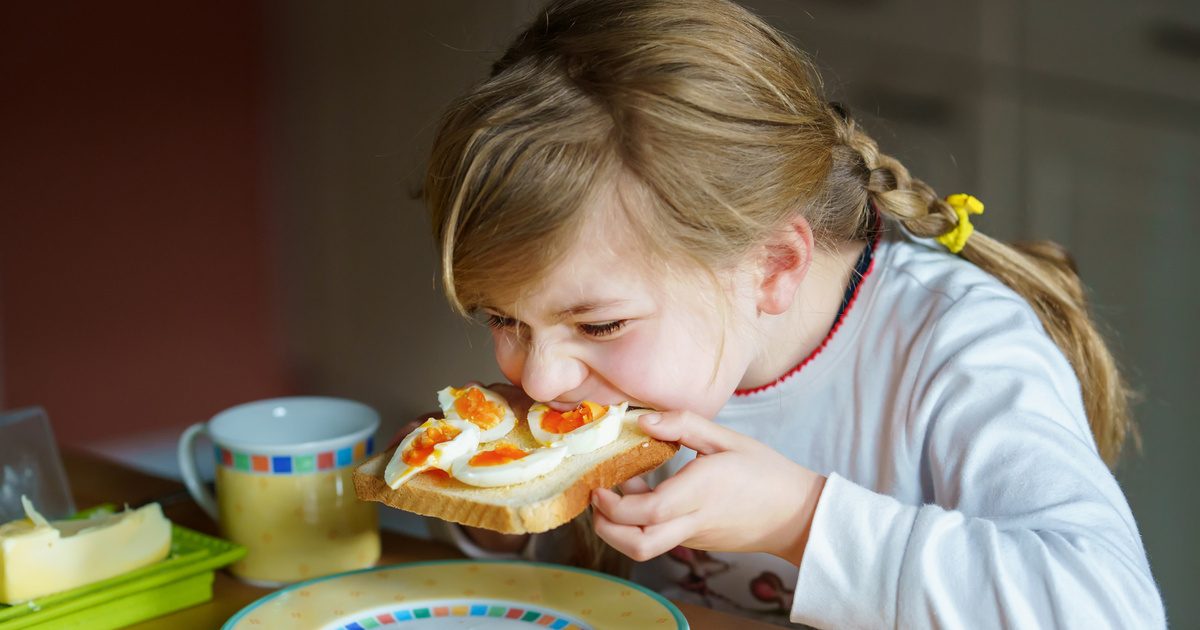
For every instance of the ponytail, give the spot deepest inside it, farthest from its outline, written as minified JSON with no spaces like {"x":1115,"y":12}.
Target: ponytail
{"x":1041,"y":272}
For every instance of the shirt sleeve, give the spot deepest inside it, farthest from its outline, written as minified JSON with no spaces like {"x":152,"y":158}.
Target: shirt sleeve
{"x":1027,"y":527}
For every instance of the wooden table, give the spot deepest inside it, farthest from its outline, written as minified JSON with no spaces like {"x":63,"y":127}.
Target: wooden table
{"x":94,"y":481}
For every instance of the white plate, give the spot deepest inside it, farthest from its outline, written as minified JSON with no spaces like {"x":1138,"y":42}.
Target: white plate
{"x":461,"y":594}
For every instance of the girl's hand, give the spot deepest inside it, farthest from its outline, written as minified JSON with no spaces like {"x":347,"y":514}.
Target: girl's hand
{"x":737,"y":495}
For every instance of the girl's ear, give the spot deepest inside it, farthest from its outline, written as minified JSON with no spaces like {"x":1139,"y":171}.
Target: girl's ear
{"x":784,"y":263}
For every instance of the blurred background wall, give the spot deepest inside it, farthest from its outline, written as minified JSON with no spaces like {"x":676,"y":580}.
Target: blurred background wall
{"x":210,"y":202}
{"x":137,"y":264}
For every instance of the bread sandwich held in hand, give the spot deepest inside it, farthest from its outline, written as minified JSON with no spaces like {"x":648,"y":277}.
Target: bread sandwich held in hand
{"x":482,"y":466}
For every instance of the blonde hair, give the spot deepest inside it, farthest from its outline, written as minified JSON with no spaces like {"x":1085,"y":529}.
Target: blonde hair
{"x":717,"y":123}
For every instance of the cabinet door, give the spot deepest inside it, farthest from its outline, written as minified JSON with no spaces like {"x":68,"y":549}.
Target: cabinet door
{"x":1147,"y":48}
{"x":1124,"y":196}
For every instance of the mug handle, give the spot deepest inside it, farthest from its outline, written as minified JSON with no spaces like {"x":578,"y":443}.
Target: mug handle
{"x":187,"y":466}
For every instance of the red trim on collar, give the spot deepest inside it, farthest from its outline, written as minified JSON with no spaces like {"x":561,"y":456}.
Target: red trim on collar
{"x":832,"y":331}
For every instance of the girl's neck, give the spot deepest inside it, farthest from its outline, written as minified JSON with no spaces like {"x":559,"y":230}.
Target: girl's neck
{"x":789,"y":338}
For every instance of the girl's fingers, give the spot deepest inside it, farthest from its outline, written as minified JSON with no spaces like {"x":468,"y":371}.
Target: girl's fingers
{"x":695,"y":432}
{"x":642,"y":543}
{"x":508,"y":390}
{"x":634,"y":485}
{"x":646,"y":508}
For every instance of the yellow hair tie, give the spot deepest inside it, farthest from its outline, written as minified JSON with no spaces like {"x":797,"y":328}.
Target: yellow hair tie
{"x":964,"y":205}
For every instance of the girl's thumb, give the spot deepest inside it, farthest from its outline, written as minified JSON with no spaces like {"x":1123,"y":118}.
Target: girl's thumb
{"x":690,"y":430}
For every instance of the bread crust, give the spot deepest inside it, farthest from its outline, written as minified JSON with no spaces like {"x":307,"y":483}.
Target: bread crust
{"x":441,"y":496}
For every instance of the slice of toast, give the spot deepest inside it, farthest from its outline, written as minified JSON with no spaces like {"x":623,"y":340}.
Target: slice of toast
{"x":534,"y":506}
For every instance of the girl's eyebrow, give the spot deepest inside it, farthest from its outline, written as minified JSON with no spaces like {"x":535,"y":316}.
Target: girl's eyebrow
{"x":583,"y":308}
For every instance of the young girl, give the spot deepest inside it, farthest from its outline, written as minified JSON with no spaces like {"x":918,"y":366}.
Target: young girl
{"x":890,"y":419}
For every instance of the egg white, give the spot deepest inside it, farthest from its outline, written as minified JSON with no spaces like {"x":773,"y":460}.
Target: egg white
{"x":443,"y":455}
{"x":585,"y":439}
{"x":533,"y":465}
{"x":447,"y":397}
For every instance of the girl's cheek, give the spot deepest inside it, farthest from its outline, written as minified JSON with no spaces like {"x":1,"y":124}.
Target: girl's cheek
{"x":633,"y":364}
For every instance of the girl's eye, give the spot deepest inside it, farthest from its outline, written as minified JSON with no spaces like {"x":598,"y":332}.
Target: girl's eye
{"x":602,"y":330}
{"x":500,"y":322}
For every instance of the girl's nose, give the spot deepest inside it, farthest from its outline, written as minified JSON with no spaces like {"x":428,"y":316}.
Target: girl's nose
{"x":550,"y":372}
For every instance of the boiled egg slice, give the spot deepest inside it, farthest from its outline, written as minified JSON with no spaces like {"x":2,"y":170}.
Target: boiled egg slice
{"x":506,"y":464}
{"x":436,"y":443}
{"x":481,"y":406}
{"x":581,"y":430}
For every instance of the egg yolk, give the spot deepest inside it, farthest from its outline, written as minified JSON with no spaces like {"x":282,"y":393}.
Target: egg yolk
{"x":502,"y":454}
{"x":566,"y":421}
{"x":422,"y":447}
{"x":474,"y":406}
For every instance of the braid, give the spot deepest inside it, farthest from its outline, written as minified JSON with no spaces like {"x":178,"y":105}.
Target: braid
{"x":1041,"y":272}
{"x":913,"y":202}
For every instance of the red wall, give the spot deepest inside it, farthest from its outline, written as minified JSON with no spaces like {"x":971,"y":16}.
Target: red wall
{"x":136,"y":278}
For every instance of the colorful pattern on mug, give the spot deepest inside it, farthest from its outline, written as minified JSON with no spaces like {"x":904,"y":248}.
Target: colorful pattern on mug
{"x":295,"y":464}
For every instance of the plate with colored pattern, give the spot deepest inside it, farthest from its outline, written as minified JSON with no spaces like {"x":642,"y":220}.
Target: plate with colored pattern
{"x":475,"y":594}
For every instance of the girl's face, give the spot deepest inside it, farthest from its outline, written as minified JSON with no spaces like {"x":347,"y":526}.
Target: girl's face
{"x":605,"y":327}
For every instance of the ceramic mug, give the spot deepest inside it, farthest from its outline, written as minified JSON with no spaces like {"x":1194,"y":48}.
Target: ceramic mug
{"x":284,"y":487}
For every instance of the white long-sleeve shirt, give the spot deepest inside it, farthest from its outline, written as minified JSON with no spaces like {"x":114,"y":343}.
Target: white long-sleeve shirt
{"x":964,"y":486}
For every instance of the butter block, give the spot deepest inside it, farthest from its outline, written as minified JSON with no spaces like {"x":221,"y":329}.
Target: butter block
{"x":40,"y":557}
